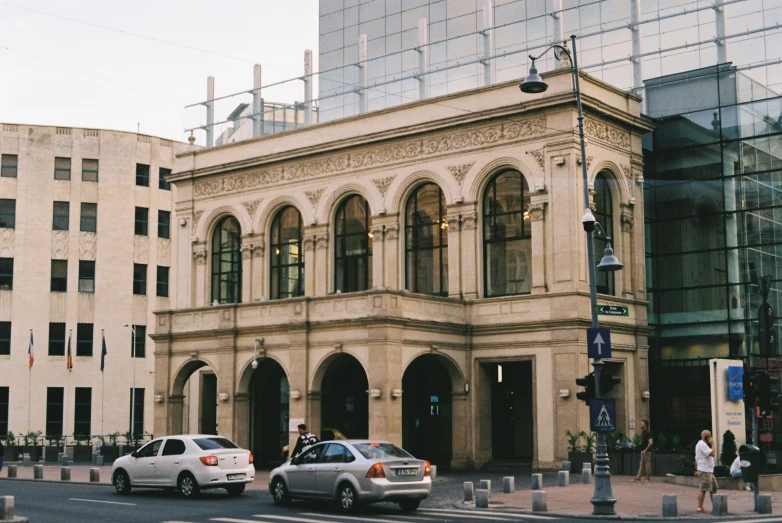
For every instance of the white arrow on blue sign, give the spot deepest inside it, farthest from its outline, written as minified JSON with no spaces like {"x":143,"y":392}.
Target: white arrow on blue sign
{"x":599,"y":342}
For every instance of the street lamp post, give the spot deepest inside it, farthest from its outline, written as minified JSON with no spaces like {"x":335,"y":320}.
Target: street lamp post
{"x":133,"y":388}
{"x":603,"y":500}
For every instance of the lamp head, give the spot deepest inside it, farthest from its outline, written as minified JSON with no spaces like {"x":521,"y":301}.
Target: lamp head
{"x":533,"y":83}
{"x":609,"y":263}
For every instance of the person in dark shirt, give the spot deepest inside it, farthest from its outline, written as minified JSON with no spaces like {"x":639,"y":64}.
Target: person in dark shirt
{"x":305,"y":440}
{"x":646,"y":453}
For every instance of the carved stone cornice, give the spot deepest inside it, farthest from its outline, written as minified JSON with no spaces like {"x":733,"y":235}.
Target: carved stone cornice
{"x":392,"y":231}
{"x":469,"y":221}
{"x":459,"y":172}
{"x":251,"y":206}
{"x":537,"y":211}
{"x":309,"y":242}
{"x":314,"y":196}
{"x":368,"y":157}
{"x":606,"y":133}
{"x":383,"y":184}
{"x":322,"y":241}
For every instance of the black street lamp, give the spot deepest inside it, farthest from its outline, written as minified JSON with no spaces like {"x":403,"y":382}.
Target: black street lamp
{"x":603,"y":500}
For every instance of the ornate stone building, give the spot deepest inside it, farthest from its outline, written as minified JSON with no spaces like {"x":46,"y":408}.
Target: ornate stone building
{"x":417,"y":274}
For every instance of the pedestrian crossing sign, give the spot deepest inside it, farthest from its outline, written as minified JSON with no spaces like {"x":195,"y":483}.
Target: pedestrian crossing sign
{"x":602,"y":415}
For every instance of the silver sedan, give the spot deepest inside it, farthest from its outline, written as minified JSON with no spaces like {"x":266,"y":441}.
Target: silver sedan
{"x":353,"y":472}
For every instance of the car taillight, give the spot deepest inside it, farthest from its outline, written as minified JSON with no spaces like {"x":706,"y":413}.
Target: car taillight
{"x":427,"y":469}
{"x":251,"y":458}
{"x":376,"y":471}
{"x":209,"y":461}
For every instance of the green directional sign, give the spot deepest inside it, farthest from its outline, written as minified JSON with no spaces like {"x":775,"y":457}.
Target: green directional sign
{"x":613,"y":310}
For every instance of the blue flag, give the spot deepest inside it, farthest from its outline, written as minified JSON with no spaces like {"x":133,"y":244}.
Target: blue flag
{"x":103,"y":352}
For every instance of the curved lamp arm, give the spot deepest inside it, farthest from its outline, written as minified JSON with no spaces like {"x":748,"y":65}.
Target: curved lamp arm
{"x":601,"y":232}
{"x":558,"y":51}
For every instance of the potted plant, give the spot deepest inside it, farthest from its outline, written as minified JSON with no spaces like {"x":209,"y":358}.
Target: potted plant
{"x":110,"y":451}
{"x":53,"y":447}
{"x":577,"y":455}
{"x":666,"y":454}
{"x":82,"y":451}
{"x":31,"y":444}
{"x":10,"y":447}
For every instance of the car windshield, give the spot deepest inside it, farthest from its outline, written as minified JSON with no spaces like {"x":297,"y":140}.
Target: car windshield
{"x":215,"y":443}
{"x":381,"y":450}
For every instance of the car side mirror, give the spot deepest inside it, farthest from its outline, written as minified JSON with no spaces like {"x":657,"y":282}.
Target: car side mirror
{"x":133,"y":454}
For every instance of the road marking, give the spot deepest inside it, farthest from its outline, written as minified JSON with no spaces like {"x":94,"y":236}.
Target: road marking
{"x":484,"y":514}
{"x":376,"y":520}
{"x":99,"y":501}
{"x":763,"y":520}
{"x":233,"y":520}
{"x":289,"y":518}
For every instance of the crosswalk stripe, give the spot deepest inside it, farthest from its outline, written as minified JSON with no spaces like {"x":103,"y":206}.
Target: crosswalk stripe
{"x":483,"y":514}
{"x":399,"y":518}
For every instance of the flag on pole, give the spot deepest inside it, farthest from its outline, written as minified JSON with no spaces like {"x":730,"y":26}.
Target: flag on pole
{"x":31,"y":351}
{"x":69,"y":358}
{"x":103,"y":352}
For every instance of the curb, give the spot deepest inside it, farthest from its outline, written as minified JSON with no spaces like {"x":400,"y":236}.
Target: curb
{"x":520,"y":512}
{"x":93,"y":484}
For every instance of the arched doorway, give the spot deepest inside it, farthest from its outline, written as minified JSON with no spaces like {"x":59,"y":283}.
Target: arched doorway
{"x":269,"y":411}
{"x":427,"y":411}
{"x":344,"y":403}
{"x":194,"y":400}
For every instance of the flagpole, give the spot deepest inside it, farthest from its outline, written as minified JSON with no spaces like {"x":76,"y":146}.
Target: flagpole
{"x":67,"y":387}
{"x":29,"y":385}
{"x":102,"y":375}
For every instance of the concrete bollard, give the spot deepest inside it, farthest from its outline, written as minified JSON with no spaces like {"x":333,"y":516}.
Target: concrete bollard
{"x":508,"y":484}
{"x":566,"y":465}
{"x":26,"y":460}
{"x":65,"y":474}
{"x":63,"y":459}
{"x":469,"y":491}
{"x":564,"y":478}
{"x":99,"y":461}
{"x":481,"y":498}
{"x":433,"y":471}
{"x":586,"y":476}
{"x":537,"y":481}
{"x":94,"y":458}
{"x":587,"y":466}
{"x":719,"y":506}
{"x":11,"y":471}
{"x":486,"y":485}
{"x":670,"y":506}
{"x":6,"y":508}
{"x":763,"y":504}
{"x":94,"y":475}
{"x":37,"y":471}
{"x":539,"y":501}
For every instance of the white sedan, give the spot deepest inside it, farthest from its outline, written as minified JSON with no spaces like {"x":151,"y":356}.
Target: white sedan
{"x":188,"y":463}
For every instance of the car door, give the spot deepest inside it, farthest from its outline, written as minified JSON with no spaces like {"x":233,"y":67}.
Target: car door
{"x":331,"y":465}
{"x":169,"y":462}
{"x":143,"y":465}
{"x":301,"y":474}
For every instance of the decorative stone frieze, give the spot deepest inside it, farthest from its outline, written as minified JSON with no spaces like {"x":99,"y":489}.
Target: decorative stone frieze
{"x":607,"y":133}
{"x":314,"y":196}
{"x":374,"y":156}
{"x":88,"y":245}
{"x":459,"y":172}
{"x":59,"y":245}
{"x":251,"y":206}
{"x":383,"y":184}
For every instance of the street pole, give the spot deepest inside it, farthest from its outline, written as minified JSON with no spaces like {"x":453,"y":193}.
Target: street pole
{"x":602,"y":500}
{"x":133,"y":390}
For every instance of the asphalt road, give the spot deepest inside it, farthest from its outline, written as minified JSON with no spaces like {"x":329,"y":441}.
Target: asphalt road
{"x":69,"y":503}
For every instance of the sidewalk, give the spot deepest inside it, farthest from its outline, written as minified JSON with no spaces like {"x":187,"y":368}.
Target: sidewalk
{"x":80,"y":473}
{"x":633,"y":499}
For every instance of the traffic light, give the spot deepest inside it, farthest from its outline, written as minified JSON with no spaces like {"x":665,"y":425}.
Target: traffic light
{"x":768,"y":394}
{"x":588,"y":382}
{"x":608,"y":382}
{"x":750,"y":389}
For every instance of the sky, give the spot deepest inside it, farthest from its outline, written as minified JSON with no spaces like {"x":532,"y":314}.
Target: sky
{"x":135,"y":64}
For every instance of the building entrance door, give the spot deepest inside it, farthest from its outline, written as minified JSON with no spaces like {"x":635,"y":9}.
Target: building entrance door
{"x":427,"y":411}
{"x":345,"y":406}
{"x":269,"y":411}
{"x":208,"y":403}
{"x":511,"y":410}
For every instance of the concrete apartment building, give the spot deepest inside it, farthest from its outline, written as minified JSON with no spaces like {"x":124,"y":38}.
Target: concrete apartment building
{"x":416,"y":274}
{"x":85,"y":248}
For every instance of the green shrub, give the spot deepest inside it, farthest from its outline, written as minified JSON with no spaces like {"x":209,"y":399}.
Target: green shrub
{"x":728,"y":452}
{"x":661,"y":442}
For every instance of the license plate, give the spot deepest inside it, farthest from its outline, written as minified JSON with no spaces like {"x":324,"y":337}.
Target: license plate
{"x":235,"y":476}
{"x":406,"y":472}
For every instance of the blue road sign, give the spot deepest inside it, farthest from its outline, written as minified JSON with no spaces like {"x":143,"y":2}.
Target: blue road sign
{"x":735,"y":383}
{"x":602,"y":415}
{"x":599,"y":343}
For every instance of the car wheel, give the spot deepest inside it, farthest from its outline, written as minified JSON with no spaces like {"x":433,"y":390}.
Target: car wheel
{"x":121,"y":482}
{"x":409,"y":505}
{"x":188,"y":486}
{"x":347,"y":497}
{"x":235,"y":490}
{"x":280,"y":492}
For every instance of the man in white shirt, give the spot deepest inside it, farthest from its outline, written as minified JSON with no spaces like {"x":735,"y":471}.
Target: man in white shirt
{"x":704,"y":458}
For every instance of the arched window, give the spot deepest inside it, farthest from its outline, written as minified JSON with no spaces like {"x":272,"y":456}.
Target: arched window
{"x":507,"y":244}
{"x":352,"y":249}
{"x":287,"y":256}
{"x":426,"y":242}
{"x":604,"y":213}
{"x":227,"y":261}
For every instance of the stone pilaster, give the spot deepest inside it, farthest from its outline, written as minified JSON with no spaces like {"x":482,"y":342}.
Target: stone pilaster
{"x":378,"y":253}
{"x":454,"y":253}
{"x":308,"y":243}
{"x":247,"y":273}
{"x":470,"y":239}
{"x":199,"y":258}
{"x":259,"y":286}
{"x":537,"y":214}
{"x":627,"y":219}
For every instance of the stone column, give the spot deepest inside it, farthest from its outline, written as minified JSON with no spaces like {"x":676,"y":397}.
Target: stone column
{"x":627,"y":219}
{"x":184,"y":265}
{"x":460,"y":417}
{"x":386,"y":252}
{"x":201,"y":292}
{"x":247,"y":272}
{"x":454,"y":254}
{"x":384,"y":373}
{"x":470,"y":239}
{"x":175,"y":406}
{"x":537,"y":218}
{"x":322,"y":274}
{"x":309,"y":263}
{"x":378,"y":254}
{"x":259,"y":286}
{"x":392,"y":256}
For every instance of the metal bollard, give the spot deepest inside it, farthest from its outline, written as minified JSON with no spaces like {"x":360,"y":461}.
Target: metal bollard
{"x":94,"y":475}
{"x":763,"y":504}
{"x":26,"y":460}
{"x":6,"y":508}
{"x":481,"y":498}
{"x":37,"y":471}
{"x":564,"y":478}
{"x":670,"y":506}
{"x":11,"y":471}
{"x":537,"y":481}
{"x":94,"y":458}
{"x":99,"y":461}
{"x":433,"y":471}
{"x":469,"y":491}
{"x":719,"y":505}
{"x":539,"y":501}
{"x":486,"y":485}
{"x":63,"y":459}
{"x":587,"y":466}
{"x":65,"y":474}
{"x":586,"y":476}
{"x":508,"y":484}
{"x":566,"y":465}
